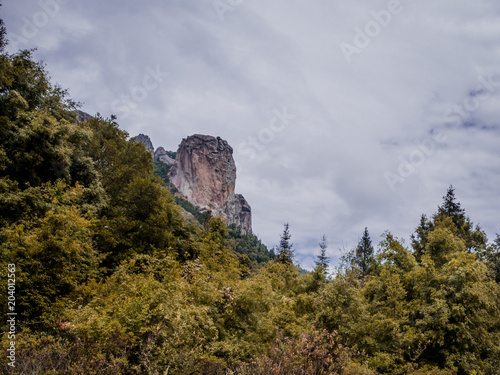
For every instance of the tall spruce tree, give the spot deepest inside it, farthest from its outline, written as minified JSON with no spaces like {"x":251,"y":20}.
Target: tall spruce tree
{"x":474,"y":237}
{"x":320,"y":272}
{"x":364,"y":253}
{"x":493,"y":258}
{"x":452,"y":208}
{"x":285,"y":249}
{"x":322,"y":259}
{"x":419,"y":238}
{"x":3,"y":40}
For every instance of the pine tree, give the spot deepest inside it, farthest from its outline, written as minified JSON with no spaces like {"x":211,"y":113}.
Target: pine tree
{"x":364,"y":253}
{"x":474,"y":237}
{"x":493,"y":258}
{"x":419,"y":239}
{"x":285,"y":249}
{"x":320,"y":271}
{"x":3,"y":40}
{"x":322,"y":262}
{"x":452,"y":208}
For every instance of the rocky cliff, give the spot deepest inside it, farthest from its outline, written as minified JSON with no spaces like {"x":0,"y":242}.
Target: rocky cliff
{"x":146,"y":141}
{"x":204,"y":171}
{"x":161,"y":155}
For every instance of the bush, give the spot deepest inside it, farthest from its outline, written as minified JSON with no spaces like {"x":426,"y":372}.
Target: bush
{"x":314,"y":352}
{"x":44,"y":354}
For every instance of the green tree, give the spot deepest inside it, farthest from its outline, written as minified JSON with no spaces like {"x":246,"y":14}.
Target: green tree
{"x":360,"y":260}
{"x":419,"y":238}
{"x":474,"y":237}
{"x":322,"y":261}
{"x":320,"y":272}
{"x":140,"y":215}
{"x":492,"y":258}
{"x":364,"y":254}
{"x":3,"y":40}
{"x":452,"y":208}
{"x":285,"y":248}
{"x":248,"y":244}
{"x":53,"y":257}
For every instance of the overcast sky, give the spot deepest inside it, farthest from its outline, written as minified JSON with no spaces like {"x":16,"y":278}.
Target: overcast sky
{"x":342,"y":114}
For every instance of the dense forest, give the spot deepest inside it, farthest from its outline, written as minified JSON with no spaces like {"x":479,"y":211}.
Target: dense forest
{"x":112,"y":278}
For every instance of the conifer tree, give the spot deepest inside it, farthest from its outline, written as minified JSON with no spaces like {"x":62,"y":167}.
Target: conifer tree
{"x":452,"y":208}
{"x":322,"y":261}
{"x":320,"y":271}
{"x":493,"y":259}
{"x":419,"y":238}
{"x":3,"y":41}
{"x":474,"y":237}
{"x":364,"y":253}
{"x":285,"y":249}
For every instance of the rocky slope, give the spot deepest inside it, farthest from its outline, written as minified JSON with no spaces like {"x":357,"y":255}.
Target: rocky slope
{"x":204,"y":171}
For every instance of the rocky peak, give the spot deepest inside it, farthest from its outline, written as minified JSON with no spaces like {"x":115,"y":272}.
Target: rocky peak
{"x":146,"y":141}
{"x":205,"y":172}
{"x":161,"y":155}
{"x":82,"y":116}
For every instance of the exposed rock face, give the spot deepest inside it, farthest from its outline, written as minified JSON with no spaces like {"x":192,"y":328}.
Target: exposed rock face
{"x":204,"y":171}
{"x":161,"y":155}
{"x":82,"y":116}
{"x":146,"y":141}
{"x":240,"y":212}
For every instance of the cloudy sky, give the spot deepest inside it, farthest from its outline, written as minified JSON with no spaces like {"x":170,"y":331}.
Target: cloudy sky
{"x":342,"y":114}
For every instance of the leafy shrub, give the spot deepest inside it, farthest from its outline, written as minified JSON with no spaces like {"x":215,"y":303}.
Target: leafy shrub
{"x":315,"y":352}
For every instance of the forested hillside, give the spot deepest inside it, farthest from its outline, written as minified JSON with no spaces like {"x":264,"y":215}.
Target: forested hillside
{"x":110,"y":278}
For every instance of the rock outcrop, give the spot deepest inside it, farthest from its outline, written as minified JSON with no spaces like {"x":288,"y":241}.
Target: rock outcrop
{"x":161,"y":155}
{"x":204,"y":171}
{"x":82,"y":116}
{"x":146,"y":141}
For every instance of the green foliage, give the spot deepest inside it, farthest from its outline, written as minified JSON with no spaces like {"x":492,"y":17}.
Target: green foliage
{"x":492,"y":258}
{"x":53,"y":256}
{"x":364,"y":254}
{"x":161,"y":169}
{"x":359,"y":261}
{"x":285,"y":248}
{"x":201,"y":217}
{"x":3,"y":40}
{"x":442,"y":311}
{"x":322,"y":261}
{"x":475,"y":239}
{"x":248,"y":244}
{"x":320,"y":272}
{"x":143,"y":218}
{"x":117,"y":160}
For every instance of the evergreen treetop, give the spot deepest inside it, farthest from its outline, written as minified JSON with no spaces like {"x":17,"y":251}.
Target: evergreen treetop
{"x":285,"y":249}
